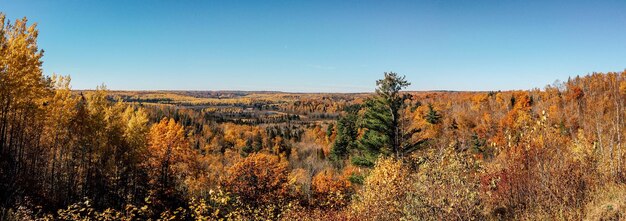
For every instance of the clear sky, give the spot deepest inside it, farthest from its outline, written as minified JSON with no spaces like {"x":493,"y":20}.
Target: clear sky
{"x":325,"y":46}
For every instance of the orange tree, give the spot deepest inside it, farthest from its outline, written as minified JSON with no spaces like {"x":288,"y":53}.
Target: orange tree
{"x":259,"y":179}
{"x":169,"y":158}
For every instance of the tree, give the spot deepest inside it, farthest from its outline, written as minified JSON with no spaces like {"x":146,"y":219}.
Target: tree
{"x":23,"y":91}
{"x":347,"y":133}
{"x":259,"y":179}
{"x":432,"y":117}
{"x":169,"y":154}
{"x":57,"y":134}
{"x":386,"y":133}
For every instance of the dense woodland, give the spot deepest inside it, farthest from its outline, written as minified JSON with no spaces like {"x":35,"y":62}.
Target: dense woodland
{"x":544,"y":154}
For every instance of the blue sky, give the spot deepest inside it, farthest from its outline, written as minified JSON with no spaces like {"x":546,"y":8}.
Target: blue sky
{"x":325,"y":46}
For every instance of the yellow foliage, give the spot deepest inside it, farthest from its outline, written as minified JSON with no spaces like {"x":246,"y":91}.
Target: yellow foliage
{"x":384,"y":192}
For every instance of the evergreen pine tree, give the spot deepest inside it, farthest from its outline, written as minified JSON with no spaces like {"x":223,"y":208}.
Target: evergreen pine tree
{"x":385,"y":132}
{"x":347,"y":132}
{"x":432,"y":117}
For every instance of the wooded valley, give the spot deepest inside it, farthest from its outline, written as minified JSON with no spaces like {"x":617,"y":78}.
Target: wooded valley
{"x":554,"y":153}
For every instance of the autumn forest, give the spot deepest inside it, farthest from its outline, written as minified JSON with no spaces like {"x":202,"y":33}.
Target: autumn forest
{"x":554,"y":153}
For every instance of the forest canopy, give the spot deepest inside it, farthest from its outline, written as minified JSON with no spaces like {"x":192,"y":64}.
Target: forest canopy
{"x":544,"y":154}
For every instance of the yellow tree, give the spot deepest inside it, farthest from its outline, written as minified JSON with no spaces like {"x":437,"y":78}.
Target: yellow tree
{"x":60,"y":110}
{"x":22,"y":94}
{"x":136,"y":129}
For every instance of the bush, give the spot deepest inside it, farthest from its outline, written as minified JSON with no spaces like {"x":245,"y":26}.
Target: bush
{"x":384,"y":193}
{"x":330,"y":190}
{"x":608,"y":203}
{"x":445,"y":187}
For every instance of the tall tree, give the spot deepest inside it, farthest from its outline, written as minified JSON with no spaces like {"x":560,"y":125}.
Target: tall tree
{"x":169,"y":156}
{"x":385,"y":132}
{"x":23,"y":90}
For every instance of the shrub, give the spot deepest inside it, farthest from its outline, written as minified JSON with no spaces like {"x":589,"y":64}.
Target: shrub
{"x":384,"y":192}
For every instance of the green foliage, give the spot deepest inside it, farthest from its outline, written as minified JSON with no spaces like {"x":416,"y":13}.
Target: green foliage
{"x":386,"y":131}
{"x":377,"y":121}
{"x":356,"y":179}
{"x":432,"y":117}
{"x":362,"y":161}
{"x":330,"y":129}
{"x":347,"y":133}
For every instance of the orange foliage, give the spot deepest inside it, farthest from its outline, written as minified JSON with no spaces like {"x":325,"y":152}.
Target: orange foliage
{"x":330,"y":189}
{"x":259,"y":179}
{"x":169,"y":158}
{"x":576,"y":93}
{"x":519,"y":113}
